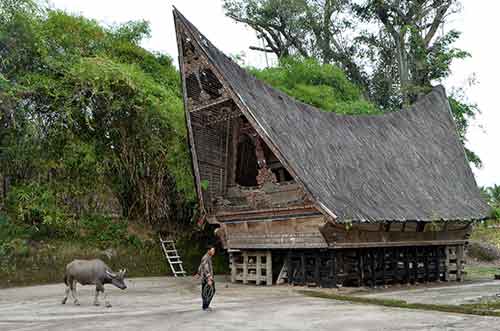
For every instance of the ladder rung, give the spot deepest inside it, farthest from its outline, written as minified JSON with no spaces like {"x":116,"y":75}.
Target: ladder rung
{"x":173,"y":257}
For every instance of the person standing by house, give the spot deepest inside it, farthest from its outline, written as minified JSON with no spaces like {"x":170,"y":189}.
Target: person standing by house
{"x":206,"y":272}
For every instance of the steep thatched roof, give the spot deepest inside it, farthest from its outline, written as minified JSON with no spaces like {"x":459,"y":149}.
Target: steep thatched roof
{"x":405,"y":165}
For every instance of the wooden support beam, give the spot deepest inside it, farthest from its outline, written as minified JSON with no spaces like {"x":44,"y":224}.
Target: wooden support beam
{"x":364,"y":266}
{"x":372,"y":267}
{"x":317,"y":264}
{"x":459,"y":255}
{"x":289,"y":268}
{"x":232,"y":258}
{"x":437,"y":263}
{"x":245,"y":267}
{"x":303,"y":267}
{"x":415,"y":264}
{"x":446,"y":263}
{"x":269,"y":268}
{"x":333,"y":267}
{"x":361,"y":266}
{"x":426,"y":252}
{"x":258,"y":271}
{"x":382,"y":264}
{"x":394,"y":266}
{"x":406,"y":252}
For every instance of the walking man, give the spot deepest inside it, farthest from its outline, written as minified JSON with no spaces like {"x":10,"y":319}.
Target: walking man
{"x":206,"y":272}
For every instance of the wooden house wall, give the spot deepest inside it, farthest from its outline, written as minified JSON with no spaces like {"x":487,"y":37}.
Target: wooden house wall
{"x":305,"y":232}
{"x":396,"y":234}
{"x":210,"y":144}
{"x":294,"y":232}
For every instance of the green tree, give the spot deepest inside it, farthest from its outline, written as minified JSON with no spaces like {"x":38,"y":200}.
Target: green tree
{"x":390,"y":48}
{"x":322,"y":85}
{"x":302,"y":28}
{"x":89,"y":114}
{"x":494,"y":194}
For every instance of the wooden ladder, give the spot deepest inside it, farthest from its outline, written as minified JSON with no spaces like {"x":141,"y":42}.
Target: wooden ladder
{"x":173,"y":257}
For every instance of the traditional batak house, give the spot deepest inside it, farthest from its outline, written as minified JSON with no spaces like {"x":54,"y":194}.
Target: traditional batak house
{"x":312,"y":197}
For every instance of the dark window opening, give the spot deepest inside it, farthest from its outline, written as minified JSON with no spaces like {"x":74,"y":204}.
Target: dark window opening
{"x":188,"y":48}
{"x":282,"y":175}
{"x":210,"y":83}
{"x":246,"y":164}
{"x":193,"y":89}
{"x":420,"y":226}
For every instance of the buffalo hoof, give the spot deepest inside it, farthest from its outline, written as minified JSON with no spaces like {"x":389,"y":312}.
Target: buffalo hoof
{"x":97,"y":304}
{"x":108,"y":305}
{"x":63,"y":302}
{"x":77,"y":303}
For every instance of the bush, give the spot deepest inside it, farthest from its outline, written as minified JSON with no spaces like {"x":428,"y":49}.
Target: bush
{"x":321,"y":85}
{"x":35,"y":208}
{"x":495,"y":213}
{"x":483,"y":251}
{"x":103,"y":231}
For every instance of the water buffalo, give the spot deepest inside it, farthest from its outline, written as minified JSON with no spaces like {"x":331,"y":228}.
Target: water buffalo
{"x":94,"y":272}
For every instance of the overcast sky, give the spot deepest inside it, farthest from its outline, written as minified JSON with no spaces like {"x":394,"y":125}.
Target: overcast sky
{"x":478,"y":23}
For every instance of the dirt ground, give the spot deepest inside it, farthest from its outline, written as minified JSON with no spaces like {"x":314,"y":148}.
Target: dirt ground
{"x":174,"y":304}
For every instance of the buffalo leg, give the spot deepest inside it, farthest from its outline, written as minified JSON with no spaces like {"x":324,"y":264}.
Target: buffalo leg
{"x":107,"y":304}
{"x":73,"y":292}
{"x":96,"y":298}
{"x":98,"y":288}
{"x":67,"y":294}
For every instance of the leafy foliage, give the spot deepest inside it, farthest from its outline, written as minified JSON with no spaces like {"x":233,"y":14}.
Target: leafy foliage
{"x":37,"y":210}
{"x":323,"y":86}
{"x":492,"y":195}
{"x":88,"y":115}
{"x":393,"y":50}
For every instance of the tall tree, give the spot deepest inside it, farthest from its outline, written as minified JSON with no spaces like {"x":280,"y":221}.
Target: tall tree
{"x":419,"y":53}
{"x":394,"y":50}
{"x":87,"y":111}
{"x":302,"y":27}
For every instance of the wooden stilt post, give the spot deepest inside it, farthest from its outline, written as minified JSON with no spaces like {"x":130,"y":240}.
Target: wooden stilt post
{"x":459,"y":255}
{"x":395,"y":267}
{"x":407,"y":264}
{"x":258,"y":271}
{"x":372,"y":264}
{"x":317,"y":264}
{"x":303,"y":267}
{"x":232,"y":257}
{"x":333,"y":267}
{"x":361,"y":266}
{"x":426,"y":252}
{"x":382,"y":265}
{"x":437,"y":263}
{"x":245,"y":267}
{"x":269,"y":268}
{"x":446,"y":263}
{"x":415,"y":265}
{"x":289,"y":268}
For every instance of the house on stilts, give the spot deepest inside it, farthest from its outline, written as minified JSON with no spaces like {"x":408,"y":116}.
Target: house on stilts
{"x":311,"y":197}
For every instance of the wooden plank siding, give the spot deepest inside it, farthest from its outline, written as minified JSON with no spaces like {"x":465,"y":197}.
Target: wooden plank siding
{"x":313,"y":231}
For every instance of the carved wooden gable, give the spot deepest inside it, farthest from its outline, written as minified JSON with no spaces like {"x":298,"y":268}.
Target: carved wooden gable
{"x":234,"y":167}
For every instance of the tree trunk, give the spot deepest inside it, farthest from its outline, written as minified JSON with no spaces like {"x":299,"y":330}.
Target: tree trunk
{"x":404,"y":73}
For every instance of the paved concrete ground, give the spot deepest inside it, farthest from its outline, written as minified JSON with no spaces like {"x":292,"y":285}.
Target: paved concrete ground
{"x":449,"y":295}
{"x":172,"y":304}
